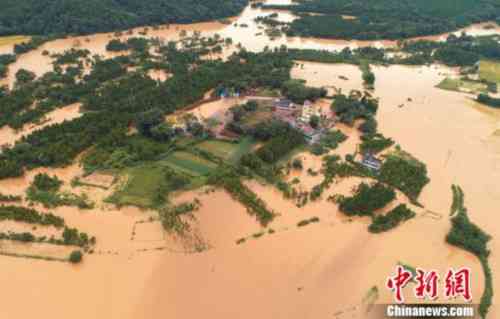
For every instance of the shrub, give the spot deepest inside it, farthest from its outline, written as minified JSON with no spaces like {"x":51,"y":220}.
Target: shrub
{"x":297,"y":164}
{"x":306,"y":222}
{"x":44,"y":182}
{"x":75,"y":257}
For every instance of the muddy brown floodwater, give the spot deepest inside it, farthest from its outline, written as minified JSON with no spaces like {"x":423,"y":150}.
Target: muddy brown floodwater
{"x":318,"y":271}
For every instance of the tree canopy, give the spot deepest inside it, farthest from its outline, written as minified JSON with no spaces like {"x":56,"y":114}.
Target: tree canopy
{"x":386,"y":19}
{"x":91,"y":16}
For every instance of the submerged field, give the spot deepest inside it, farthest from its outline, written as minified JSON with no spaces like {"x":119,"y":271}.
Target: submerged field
{"x":489,"y":71}
{"x":462,"y":86}
{"x":14,"y":39}
{"x":142,"y":184}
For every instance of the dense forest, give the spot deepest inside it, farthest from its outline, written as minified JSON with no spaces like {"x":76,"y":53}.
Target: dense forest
{"x":91,"y":16}
{"x":386,"y":19}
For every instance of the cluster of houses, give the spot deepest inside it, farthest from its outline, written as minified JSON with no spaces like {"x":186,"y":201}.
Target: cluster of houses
{"x":299,"y":117}
{"x":296,"y":115}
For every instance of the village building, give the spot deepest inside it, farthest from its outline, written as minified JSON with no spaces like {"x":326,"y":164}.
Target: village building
{"x":284,"y":105}
{"x":293,"y":114}
{"x":312,"y":136}
{"x":176,"y":122}
{"x":227,"y":93}
{"x":371,"y":162}
{"x":309,"y":110}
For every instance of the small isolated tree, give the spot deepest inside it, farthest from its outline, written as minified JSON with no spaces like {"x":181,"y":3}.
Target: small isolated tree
{"x":369,"y":78}
{"x":75,"y":257}
{"x":162,"y":132}
{"x":297,"y":164}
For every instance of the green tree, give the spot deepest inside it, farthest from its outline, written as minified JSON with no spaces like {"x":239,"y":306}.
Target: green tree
{"x":75,"y":257}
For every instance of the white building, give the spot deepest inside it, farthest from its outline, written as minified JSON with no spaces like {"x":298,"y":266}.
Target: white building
{"x":309,"y":110}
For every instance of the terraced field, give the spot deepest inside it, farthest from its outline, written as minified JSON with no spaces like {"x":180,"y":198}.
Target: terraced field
{"x":231,"y":152}
{"x":489,"y":71}
{"x":142,"y":185}
{"x":189,"y":164}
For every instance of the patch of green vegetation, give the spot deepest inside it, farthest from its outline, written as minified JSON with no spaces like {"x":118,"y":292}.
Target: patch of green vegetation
{"x":367,"y":199}
{"x":70,"y":237}
{"x":46,"y":258}
{"x":148,"y":185}
{"x":75,"y":257}
{"x":258,"y":235}
{"x":190,"y":163}
{"x":114,"y":99}
{"x":221,"y":149}
{"x":458,"y":199}
{"x":460,"y":85}
{"x":470,"y":237}
{"x":76,"y":182}
{"x":228,"y":151}
{"x":255,"y":205}
{"x":306,"y":222}
{"x":489,"y":71}
{"x":13,"y":39}
{"x":367,"y":75}
{"x":329,"y":141}
{"x":119,"y":151}
{"x":73,"y":237}
{"x":375,"y":143}
{"x":96,"y":16}
{"x":267,"y":92}
{"x":29,"y":215}
{"x":298,"y":92}
{"x":10,"y":198}
{"x":170,"y":216}
{"x":44,"y":182}
{"x":355,"y":106}
{"x":250,"y":120}
{"x":391,"y":220}
{"x":404,"y":172}
{"x":280,"y":145}
{"x":45,"y":190}
{"x":383,"y":19}
{"x":488,"y":100}
{"x":450,"y":84}
{"x":5,"y":60}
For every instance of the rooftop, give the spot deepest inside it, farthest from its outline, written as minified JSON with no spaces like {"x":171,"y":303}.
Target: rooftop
{"x":283,"y":103}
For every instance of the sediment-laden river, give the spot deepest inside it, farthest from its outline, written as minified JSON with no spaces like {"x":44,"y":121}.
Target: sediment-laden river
{"x":318,"y":271}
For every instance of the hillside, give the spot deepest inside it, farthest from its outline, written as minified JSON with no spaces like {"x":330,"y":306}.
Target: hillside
{"x":387,"y":19}
{"x":90,"y":16}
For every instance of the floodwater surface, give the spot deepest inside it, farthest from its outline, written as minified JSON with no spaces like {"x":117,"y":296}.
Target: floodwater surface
{"x":315,"y":271}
